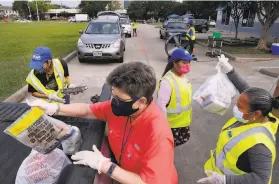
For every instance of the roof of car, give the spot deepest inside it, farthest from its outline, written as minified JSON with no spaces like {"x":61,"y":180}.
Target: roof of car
{"x":104,"y":19}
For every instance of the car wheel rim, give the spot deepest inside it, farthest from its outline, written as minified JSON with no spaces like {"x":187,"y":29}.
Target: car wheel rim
{"x":174,"y":42}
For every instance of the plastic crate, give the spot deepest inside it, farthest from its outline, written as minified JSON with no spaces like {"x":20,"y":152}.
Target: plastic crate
{"x":216,"y":35}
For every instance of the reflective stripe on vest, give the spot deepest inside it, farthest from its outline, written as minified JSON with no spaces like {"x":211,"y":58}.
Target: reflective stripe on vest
{"x":58,"y":70}
{"x":229,"y":145}
{"x":36,"y":85}
{"x":178,"y":109}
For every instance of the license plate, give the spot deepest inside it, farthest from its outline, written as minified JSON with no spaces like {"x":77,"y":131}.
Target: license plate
{"x":98,"y":54}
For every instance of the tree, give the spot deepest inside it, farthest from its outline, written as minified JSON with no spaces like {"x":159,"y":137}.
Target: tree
{"x":92,"y":7}
{"x":237,"y":9}
{"x":21,"y":7}
{"x":114,"y":5}
{"x":203,"y":9}
{"x":267,"y":13}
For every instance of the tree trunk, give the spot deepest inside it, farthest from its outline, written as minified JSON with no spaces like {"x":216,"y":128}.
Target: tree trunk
{"x":262,"y":45}
{"x":236,"y":29}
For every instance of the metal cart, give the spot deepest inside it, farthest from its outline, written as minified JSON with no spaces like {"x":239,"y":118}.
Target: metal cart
{"x":214,"y":46}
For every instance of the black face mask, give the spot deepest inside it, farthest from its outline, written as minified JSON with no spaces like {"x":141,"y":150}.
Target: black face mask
{"x":121,"y":108}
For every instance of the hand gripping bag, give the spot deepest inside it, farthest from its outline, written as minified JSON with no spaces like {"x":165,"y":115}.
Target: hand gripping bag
{"x":215,"y":94}
{"x":39,"y":131}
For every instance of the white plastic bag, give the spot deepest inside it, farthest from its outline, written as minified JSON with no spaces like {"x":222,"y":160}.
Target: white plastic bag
{"x":38,"y":168}
{"x":39,"y":131}
{"x":215,"y":94}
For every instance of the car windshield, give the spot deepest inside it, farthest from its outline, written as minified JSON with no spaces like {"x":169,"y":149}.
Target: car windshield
{"x":102,"y":28}
{"x":176,"y":25}
{"x":124,"y":21}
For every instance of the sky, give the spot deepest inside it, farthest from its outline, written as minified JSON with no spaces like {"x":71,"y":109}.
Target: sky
{"x":70,"y":3}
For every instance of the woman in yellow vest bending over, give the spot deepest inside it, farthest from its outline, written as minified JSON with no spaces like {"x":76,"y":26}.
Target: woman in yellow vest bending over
{"x":175,"y":95}
{"x":48,"y":76}
{"x":246,"y":149}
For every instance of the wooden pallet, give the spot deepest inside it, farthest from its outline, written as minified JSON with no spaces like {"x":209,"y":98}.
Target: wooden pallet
{"x":231,"y":41}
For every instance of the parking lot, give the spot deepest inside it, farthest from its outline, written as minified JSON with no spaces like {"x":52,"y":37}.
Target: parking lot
{"x":149,"y":49}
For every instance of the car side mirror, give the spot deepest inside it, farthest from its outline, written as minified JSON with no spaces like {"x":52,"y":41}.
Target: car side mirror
{"x":80,"y":31}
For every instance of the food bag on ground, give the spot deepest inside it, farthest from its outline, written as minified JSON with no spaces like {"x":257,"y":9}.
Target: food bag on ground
{"x":39,"y":131}
{"x":215,"y":94}
{"x":72,"y":144}
{"x":38,"y":168}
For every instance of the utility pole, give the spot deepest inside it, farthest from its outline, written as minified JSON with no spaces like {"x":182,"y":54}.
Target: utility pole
{"x":29,"y":10}
{"x":38,"y":17}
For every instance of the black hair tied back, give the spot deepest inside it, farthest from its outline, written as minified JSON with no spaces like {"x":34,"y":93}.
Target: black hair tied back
{"x":275,"y":102}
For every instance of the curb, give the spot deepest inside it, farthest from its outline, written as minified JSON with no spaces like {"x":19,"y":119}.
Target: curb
{"x":266,"y":71}
{"x":19,"y":95}
{"x":238,"y":59}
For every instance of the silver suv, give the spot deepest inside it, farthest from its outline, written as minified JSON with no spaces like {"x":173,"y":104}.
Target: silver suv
{"x":103,"y":39}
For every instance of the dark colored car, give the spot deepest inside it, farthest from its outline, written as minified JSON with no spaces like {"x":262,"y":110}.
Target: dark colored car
{"x":201,"y":25}
{"x":173,"y":28}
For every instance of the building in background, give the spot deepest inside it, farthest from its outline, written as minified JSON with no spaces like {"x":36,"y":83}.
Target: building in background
{"x":54,"y":13}
{"x":249,"y":23}
{"x":126,"y":4}
{"x":6,"y":11}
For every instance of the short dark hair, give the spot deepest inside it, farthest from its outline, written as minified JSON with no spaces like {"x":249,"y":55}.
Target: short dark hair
{"x":135,"y":78}
{"x":260,"y":99}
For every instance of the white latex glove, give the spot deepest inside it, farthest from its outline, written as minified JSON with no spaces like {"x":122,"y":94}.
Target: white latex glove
{"x":54,"y":97}
{"x":224,"y":65}
{"x":72,"y":86}
{"x":214,"y":178}
{"x":49,"y":108}
{"x":93,"y":159}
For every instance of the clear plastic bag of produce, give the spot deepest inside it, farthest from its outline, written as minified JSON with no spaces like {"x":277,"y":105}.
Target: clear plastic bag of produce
{"x":215,"y":94}
{"x":38,"y":168}
{"x":39,"y":131}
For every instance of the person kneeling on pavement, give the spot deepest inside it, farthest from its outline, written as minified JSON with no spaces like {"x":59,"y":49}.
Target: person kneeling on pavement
{"x":48,"y":77}
{"x":138,"y":133}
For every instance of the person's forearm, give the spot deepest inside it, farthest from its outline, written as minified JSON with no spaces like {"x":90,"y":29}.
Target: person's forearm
{"x":238,"y":81}
{"x":121,"y":175}
{"x":39,"y":95}
{"x":276,"y":91}
{"x":76,"y":110}
{"x":251,"y":178}
{"x":68,"y":80}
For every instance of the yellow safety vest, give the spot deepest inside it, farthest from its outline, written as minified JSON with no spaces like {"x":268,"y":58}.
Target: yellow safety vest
{"x":179,"y":110}
{"x":194,"y":33}
{"x":59,"y":77}
{"x":135,"y":25}
{"x":235,"y":141}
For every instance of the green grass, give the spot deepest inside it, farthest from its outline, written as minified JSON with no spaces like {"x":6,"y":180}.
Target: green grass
{"x":18,"y":41}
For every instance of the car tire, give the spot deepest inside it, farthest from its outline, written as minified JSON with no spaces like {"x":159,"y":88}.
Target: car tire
{"x":120,"y":60}
{"x":81,"y":60}
{"x":203,"y":30}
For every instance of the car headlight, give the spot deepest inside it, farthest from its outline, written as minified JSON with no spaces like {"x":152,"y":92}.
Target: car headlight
{"x":80,"y":43}
{"x":117,"y":43}
{"x":169,"y":33}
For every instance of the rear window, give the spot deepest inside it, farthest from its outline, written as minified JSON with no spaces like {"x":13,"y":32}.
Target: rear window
{"x":102,"y":28}
{"x":176,"y":25}
{"x":124,"y":21}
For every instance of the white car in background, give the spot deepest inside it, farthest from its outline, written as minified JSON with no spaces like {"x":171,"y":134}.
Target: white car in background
{"x":212,"y":23}
{"x":23,"y":20}
{"x":126,"y":25}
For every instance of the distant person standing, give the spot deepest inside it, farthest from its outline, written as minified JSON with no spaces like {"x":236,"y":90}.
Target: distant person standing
{"x":135,"y":27}
{"x":191,"y":32}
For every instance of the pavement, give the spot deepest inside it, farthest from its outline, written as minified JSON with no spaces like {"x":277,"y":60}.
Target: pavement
{"x":149,"y":49}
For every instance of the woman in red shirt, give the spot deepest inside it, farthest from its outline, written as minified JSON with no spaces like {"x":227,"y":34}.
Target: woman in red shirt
{"x":139,"y":134}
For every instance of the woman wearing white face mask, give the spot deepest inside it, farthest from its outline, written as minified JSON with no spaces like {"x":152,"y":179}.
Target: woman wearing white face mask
{"x":246,"y":149}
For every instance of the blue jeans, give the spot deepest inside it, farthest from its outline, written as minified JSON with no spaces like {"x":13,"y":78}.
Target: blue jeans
{"x":67,"y":98}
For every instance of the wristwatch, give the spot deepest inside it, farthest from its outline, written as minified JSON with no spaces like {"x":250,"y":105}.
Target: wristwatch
{"x":111,"y":169}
